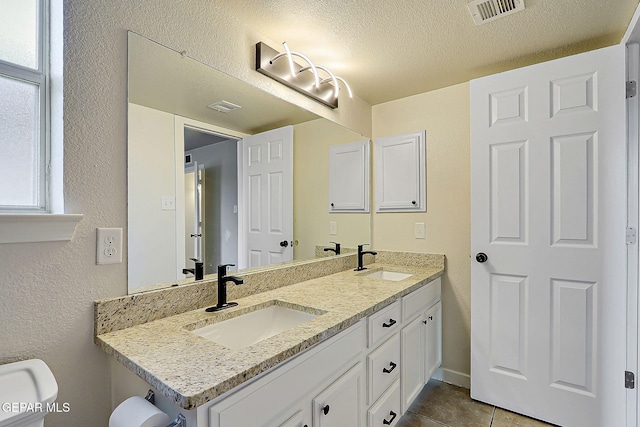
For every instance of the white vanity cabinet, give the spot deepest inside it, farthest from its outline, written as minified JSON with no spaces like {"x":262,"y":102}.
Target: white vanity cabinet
{"x":328,"y":374}
{"x":404,"y":351}
{"x":365,"y":376}
{"x":420,"y":340}
{"x":340,"y":404}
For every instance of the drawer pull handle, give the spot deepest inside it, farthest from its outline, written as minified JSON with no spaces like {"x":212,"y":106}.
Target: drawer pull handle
{"x":390,"y":324}
{"x":393,"y":417}
{"x":388,"y":371}
{"x":325,"y":410}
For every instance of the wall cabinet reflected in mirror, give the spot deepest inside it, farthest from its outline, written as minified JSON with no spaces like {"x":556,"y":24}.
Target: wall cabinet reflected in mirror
{"x":349,"y":177}
{"x":171,"y":129}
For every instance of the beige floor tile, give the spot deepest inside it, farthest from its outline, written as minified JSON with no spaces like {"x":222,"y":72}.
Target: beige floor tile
{"x":413,"y":420}
{"x":451,"y":405}
{"x":504,"y":418}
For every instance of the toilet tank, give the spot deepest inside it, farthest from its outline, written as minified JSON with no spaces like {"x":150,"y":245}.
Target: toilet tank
{"x":26,"y":390}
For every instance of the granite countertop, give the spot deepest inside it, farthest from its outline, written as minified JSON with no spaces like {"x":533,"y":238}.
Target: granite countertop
{"x":192,"y":370}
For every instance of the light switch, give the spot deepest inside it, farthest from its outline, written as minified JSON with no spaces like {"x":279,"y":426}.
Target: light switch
{"x":168,"y":203}
{"x":333,"y":228}
{"x":420,"y":230}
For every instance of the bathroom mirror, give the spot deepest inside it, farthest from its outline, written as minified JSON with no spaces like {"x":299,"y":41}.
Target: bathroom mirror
{"x":183,"y":194}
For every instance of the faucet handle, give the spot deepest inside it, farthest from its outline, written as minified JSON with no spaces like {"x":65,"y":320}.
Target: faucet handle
{"x":222,"y":268}
{"x":363,"y":245}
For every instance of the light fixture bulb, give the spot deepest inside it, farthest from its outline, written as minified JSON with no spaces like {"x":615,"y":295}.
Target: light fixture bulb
{"x":290,"y":58}
{"x":336,"y":88}
{"x":290,"y":54}
{"x":346,"y":85}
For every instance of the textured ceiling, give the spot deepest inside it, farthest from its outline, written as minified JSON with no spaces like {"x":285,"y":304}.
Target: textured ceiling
{"x":390,"y":49}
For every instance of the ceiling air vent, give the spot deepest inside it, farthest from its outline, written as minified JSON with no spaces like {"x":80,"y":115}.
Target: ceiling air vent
{"x":484,"y":11}
{"x":224,"y":106}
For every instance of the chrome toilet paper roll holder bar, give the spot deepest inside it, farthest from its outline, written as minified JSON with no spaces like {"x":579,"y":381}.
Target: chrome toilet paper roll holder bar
{"x":180,"y":421}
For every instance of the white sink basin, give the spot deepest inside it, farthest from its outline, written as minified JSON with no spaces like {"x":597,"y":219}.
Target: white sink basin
{"x":387,"y":275}
{"x":250,"y":328}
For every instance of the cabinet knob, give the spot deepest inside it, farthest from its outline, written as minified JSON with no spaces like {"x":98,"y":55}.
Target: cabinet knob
{"x":325,"y":410}
{"x":424,"y":321}
{"x":393,"y":417}
{"x":390,"y":324}
{"x":413,"y":202}
{"x":430,"y":317}
{"x":392,"y":367}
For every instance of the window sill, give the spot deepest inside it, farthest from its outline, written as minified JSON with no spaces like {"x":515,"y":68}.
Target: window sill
{"x":29,"y":228}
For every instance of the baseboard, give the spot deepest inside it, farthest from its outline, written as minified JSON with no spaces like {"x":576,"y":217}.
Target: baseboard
{"x":452,"y":377}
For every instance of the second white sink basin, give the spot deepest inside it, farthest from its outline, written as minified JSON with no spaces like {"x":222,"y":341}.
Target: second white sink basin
{"x":388,"y":275}
{"x":250,"y":328}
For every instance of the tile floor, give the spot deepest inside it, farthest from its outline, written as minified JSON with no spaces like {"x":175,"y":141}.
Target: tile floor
{"x":445,"y":405}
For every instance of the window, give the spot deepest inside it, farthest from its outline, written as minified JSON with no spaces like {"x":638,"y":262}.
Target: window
{"x":24,"y":146}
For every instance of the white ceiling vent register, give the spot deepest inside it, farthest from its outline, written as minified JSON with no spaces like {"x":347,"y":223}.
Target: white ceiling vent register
{"x":484,"y":11}
{"x":224,"y":106}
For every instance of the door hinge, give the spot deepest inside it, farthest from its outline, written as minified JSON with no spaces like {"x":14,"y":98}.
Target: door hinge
{"x":631,"y":236}
{"x":629,"y":380}
{"x":631,"y":88}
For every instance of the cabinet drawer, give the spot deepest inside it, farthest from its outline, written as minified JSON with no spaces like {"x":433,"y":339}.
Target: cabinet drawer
{"x":417,"y":301}
{"x":386,"y":411}
{"x":275,"y":393}
{"x":383,"y":365}
{"x":383,"y":323}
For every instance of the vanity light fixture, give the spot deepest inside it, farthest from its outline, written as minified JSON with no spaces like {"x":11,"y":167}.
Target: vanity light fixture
{"x":304,"y":79}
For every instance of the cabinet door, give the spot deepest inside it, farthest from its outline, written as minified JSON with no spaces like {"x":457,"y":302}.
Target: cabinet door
{"x":412,"y":363}
{"x":297,"y":420}
{"x":340,"y":404}
{"x":433,"y":340}
{"x":349,"y":177}
{"x":401,"y":173}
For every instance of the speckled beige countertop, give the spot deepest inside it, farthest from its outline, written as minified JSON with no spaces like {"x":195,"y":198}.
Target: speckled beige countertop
{"x":192,"y":370}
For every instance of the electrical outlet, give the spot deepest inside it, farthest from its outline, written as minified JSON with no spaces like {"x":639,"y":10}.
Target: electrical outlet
{"x":333,"y":228}
{"x":420,"y":231}
{"x":109,"y":246}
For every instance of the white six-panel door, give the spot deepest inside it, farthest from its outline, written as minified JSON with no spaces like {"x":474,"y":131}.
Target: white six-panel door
{"x":267,"y":181}
{"x":548,"y":188}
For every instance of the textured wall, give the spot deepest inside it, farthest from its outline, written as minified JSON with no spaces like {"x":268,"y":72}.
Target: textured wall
{"x":444,"y":114}
{"x":48,"y":289}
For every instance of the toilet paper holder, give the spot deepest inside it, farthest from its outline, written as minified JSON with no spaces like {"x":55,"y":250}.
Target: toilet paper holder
{"x":180,"y":421}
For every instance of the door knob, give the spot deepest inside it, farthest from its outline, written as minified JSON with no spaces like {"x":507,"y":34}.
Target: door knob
{"x":481,"y":257}
{"x":284,"y":243}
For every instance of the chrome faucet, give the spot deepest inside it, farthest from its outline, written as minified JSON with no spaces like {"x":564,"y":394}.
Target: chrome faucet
{"x":197,"y":270}
{"x":336,"y":249}
{"x":222,"y":288}
{"x":360,"y":256}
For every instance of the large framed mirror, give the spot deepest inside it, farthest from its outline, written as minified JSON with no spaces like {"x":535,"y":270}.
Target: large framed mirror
{"x":189,"y":195}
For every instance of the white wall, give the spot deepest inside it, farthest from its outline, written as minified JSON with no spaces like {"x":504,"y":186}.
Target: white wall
{"x":48,"y":289}
{"x":151,"y":175}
